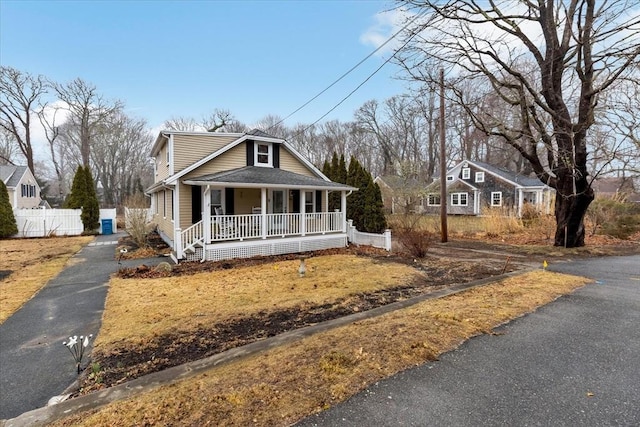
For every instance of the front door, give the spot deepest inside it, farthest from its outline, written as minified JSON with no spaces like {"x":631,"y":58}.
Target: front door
{"x":278,"y":201}
{"x":277,"y":224}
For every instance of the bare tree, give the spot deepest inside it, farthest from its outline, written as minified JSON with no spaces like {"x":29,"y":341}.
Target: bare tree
{"x":8,"y":147}
{"x":120,"y":160}
{"x":578,"y":50}
{"x":20,"y":94}
{"x":87,"y":111}
{"x":219,"y":120}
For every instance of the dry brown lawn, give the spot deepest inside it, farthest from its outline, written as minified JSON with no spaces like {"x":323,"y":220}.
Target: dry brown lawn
{"x":283,"y":385}
{"x":138,"y":310}
{"x":32,"y":262}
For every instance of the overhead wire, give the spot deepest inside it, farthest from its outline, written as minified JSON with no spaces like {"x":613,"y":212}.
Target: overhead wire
{"x":387,"y":41}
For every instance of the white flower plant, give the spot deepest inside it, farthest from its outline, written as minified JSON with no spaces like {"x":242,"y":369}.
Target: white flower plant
{"x":76,"y":346}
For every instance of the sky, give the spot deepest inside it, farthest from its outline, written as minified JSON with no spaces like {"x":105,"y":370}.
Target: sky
{"x":167,"y":59}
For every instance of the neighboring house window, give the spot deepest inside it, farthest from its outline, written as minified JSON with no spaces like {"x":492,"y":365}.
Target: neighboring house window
{"x":496,"y":198}
{"x":308,"y":202}
{"x":433,"y":200}
{"x":263,"y":154}
{"x":449,"y":177}
{"x":479,"y":176}
{"x":28,"y":190}
{"x":459,"y":199}
{"x":167,"y":153}
{"x":466,"y":173}
{"x":216,"y":202}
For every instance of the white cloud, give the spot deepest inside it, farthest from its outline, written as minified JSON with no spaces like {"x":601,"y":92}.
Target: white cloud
{"x":387,"y":23}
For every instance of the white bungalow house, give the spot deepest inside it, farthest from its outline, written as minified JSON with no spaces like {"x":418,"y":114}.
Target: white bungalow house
{"x":24,"y":191}
{"x":231,"y":195}
{"x":473,"y":186}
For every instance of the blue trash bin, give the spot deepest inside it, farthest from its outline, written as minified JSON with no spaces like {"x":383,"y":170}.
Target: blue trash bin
{"x":107,"y":226}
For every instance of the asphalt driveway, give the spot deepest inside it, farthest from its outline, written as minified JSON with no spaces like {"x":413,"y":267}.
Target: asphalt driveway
{"x":575,"y":361}
{"x":34,"y":365}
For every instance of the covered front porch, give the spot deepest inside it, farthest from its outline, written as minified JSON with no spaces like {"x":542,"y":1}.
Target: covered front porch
{"x":286,"y":213}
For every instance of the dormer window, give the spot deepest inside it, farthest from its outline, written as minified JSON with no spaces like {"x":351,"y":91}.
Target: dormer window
{"x":466,"y":173}
{"x":263,"y":154}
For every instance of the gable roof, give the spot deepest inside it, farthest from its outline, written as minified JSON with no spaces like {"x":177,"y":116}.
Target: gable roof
{"x":11,"y":174}
{"x":515,"y":179}
{"x":254,"y":134}
{"x":256,"y":176}
{"x":396,"y":182}
{"x":612,"y":185}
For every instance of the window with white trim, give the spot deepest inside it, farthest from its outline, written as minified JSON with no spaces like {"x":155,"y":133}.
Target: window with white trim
{"x":466,"y":173}
{"x":459,"y":199}
{"x":479,"y":176}
{"x":496,"y":198}
{"x":164,"y":203}
{"x":216,"y":202}
{"x":308,"y":202}
{"x":449,"y":177}
{"x":433,"y":200}
{"x":167,"y":148}
{"x":263,"y":154}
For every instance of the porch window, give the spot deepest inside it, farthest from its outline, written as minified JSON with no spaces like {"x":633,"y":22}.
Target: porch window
{"x":459,"y":199}
{"x":433,"y":200}
{"x":466,"y":173}
{"x":263,"y":154}
{"x":479,"y":176}
{"x":496,"y":198}
{"x":216,"y":202}
{"x":308,"y":202}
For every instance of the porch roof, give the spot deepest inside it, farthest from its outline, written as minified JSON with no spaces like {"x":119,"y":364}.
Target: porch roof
{"x":258,"y":177}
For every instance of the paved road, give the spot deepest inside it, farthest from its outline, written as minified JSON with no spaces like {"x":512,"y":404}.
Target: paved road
{"x":34,"y":365}
{"x":573,"y":362}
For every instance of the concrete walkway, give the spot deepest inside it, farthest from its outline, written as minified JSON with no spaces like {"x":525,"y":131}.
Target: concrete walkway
{"x":34,"y":365}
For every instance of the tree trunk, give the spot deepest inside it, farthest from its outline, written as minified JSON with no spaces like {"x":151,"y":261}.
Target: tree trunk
{"x":570,"y":209}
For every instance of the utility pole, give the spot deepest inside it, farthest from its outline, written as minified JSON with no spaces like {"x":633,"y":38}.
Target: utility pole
{"x":443,"y":170}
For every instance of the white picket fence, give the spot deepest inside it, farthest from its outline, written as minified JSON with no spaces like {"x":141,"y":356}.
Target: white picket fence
{"x":382,"y":241}
{"x":55,"y":222}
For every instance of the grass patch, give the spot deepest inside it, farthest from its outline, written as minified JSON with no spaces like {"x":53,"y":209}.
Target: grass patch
{"x":285,"y":384}
{"x":32,"y":263}
{"x":138,"y":310}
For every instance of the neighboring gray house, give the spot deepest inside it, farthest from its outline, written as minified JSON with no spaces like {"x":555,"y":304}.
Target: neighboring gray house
{"x":616,"y":187}
{"x":473,"y":186}
{"x":229,"y":195}
{"x":24,"y":191}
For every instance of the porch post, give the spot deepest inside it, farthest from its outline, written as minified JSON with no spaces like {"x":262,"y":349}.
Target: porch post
{"x":263,"y":212}
{"x":520,"y":202}
{"x":343,"y":210}
{"x":206,"y":217}
{"x":177,"y":241}
{"x":303,"y":214}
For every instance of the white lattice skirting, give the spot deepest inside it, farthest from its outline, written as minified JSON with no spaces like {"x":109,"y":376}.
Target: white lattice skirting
{"x":248,"y":249}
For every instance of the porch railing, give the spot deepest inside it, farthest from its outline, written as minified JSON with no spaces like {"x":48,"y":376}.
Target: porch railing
{"x":256,"y":226}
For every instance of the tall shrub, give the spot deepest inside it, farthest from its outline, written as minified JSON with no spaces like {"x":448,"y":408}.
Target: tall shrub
{"x":83,"y":196}
{"x":365,"y":206}
{"x":8,"y":226}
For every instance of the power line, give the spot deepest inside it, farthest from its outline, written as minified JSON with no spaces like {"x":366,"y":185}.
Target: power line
{"x":365,"y":80}
{"x":349,"y":72}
